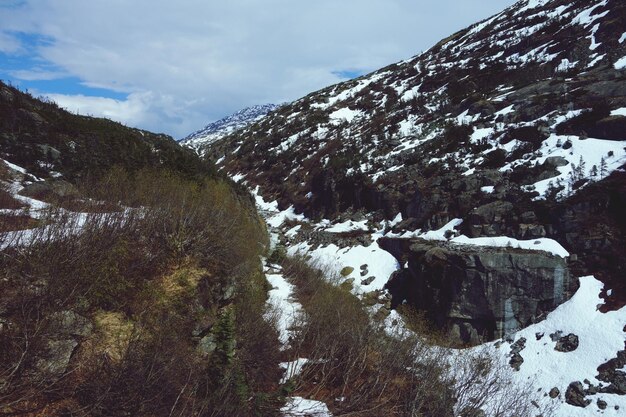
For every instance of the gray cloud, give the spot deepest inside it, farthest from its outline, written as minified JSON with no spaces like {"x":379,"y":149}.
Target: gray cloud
{"x":188,"y":62}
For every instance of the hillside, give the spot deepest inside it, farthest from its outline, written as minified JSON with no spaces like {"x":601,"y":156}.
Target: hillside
{"x":130,"y":274}
{"x":499,"y":125}
{"x":50,"y":142}
{"x":480,"y":183}
{"x":133,"y":286}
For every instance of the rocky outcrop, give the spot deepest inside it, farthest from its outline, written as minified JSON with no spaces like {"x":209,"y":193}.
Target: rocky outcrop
{"x":476,"y":293}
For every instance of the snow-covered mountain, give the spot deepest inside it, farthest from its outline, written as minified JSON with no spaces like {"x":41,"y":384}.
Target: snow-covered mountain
{"x":229,"y":124}
{"x":499,"y":125}
{"x":482,"y":182}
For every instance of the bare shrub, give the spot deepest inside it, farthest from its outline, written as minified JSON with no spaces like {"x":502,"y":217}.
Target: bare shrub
{"x":359,"y":367}
{"x":130,"y":263}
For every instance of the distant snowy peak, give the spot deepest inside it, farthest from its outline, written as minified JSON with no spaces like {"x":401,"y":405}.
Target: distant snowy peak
{"x":223,"y":127}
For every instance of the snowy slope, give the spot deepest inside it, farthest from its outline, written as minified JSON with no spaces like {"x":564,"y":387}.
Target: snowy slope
{"x":510,"y":133}
{"x":514,"y":81}
{"x":223,"y":127}
{"x":600,"y":335}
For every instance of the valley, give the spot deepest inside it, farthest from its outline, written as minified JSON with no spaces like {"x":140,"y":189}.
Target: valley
{"x":441,"y":237}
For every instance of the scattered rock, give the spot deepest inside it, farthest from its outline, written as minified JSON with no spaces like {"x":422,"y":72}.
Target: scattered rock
{"x":612,"y":373}
{"x":517,"y":359}
{"x":346,"y":271}
{"x":567,"y":343}
{"x":601,"y":404}
{"x":368,"y":280}
{"x":554,"y":392}
{"x":575,"y":395}
{"x":539,"y":336}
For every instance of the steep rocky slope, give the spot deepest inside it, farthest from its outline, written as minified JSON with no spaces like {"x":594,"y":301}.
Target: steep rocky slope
{"x":130,"y":274}
{"x":229,"y":124}
{"x":514,"y":126}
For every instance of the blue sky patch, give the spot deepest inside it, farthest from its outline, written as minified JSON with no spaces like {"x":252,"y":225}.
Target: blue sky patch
{"x":26,"y":70}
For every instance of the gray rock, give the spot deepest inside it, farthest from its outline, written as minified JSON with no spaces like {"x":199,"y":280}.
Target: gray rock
{"x":57,"y":357}
{"x":554,"y":392}
{"x":69,"y":323}
{"x":567,"y":343}
{"x":58,"y":188}
{"x":50,"y":151}
{"x":490,"y":213}
{"x":207,"y":345}
{"x":555,"y":161}
{"x":556,"y":335}
{"x":517,"y":359}
{"x":601,"y":404}
{"x":368,"y":280}
{"x":496,"y":291}
{"x":575,"y":395}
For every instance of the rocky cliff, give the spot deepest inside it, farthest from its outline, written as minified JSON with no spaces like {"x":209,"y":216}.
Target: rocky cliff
{"x":478,"y":294}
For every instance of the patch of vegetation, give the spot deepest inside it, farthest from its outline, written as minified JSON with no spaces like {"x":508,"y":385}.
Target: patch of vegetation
{"x":155,"y":308}
{"x":358,"y":367}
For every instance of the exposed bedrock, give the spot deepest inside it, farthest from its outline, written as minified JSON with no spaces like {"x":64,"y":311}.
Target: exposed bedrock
{"x":476,"y":293}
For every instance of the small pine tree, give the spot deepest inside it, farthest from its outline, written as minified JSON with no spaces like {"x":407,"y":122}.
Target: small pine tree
{"x":603,"y":168}
{"x":593,"y":173}
{"x":581,"y":169}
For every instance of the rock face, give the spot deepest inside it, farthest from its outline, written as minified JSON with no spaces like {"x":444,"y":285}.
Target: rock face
{"x":567,"y":343}
{"x":575,"y":395}
{"x":478,"y":294}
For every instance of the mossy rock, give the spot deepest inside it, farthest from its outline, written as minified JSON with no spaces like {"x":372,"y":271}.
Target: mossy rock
{"x":347,"y":285}
{"x":346,"y":271}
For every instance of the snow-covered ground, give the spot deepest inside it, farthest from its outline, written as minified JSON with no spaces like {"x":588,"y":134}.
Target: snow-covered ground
{"x":601,"y":335}
{"x":300,"y":407}
{"x":284,"y":305}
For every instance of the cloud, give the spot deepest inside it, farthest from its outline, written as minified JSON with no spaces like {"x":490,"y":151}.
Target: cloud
{"x":188,"y":62}
{"x":9,"y":44}
{"x":38,"y":74}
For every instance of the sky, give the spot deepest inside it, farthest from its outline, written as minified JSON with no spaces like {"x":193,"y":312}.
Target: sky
{"x":174,"y":66}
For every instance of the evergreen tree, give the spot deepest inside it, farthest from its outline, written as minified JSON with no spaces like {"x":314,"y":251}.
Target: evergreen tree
{"x":603,"y":168}
{"x":581,"y":169}
{"x":593,"y":173}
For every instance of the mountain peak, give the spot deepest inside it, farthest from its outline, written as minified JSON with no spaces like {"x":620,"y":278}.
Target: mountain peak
{"x":227,"y":125}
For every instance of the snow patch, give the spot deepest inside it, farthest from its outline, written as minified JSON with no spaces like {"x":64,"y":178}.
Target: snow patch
{"x":284,"y":306}
{"x":300,"y":407}
{"x":600,"y":335}
{"x":542,"y":244}
{"x":620,"y":63}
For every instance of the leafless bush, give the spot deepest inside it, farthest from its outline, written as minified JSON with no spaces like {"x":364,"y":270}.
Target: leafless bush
{"x":359,"y":368}
{"x":88,"y":264}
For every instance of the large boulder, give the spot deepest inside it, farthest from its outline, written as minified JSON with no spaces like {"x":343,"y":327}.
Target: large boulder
{"x":477,"y":293}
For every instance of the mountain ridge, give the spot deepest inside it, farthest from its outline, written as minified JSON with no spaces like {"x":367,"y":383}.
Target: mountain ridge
{"x":227,"y":125}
